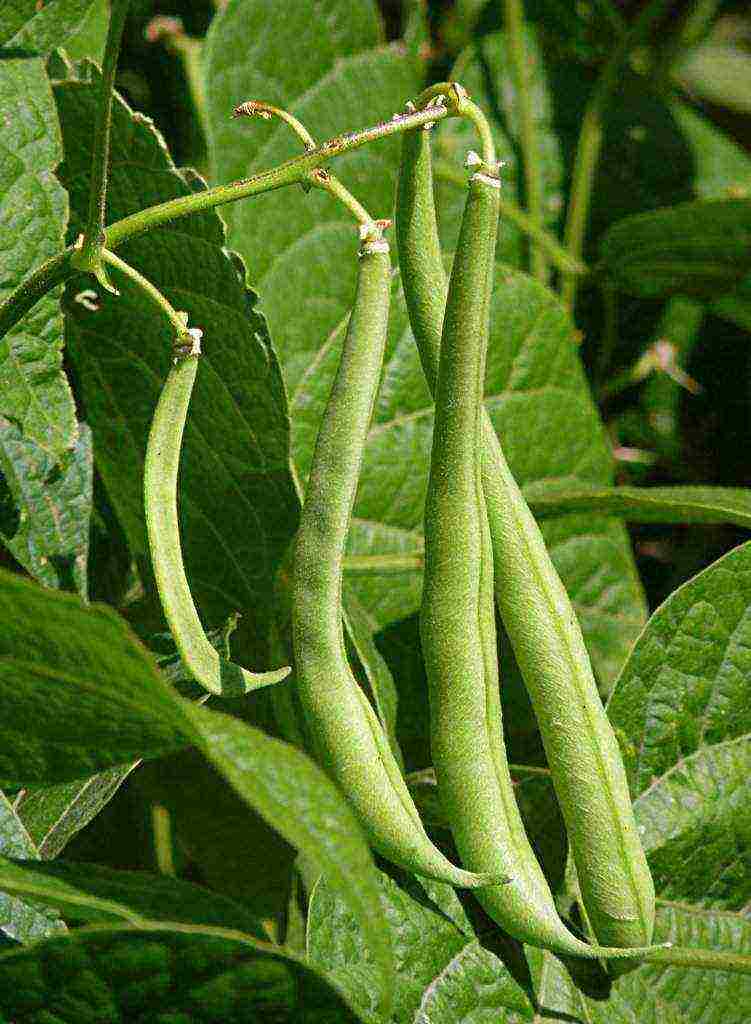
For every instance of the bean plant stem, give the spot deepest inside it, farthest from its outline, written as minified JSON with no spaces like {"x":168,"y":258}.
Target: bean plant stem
{"x":147,"y":288}
{"x":58,"y":269}
{"x":590,"y":142}
{"x":520,"y":60}
{"x":708,"y":959}
{"x":290,"y":172}
{"x":93,"y":241}
{"x":318,"y":178}
{"x":445,"y":171}
{"x":53,"y":272}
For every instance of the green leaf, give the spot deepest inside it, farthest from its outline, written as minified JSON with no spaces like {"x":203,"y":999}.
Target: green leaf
{"x":689,"y":504}
{"x":78,"y":692}
{"x":699,"y":249}
{"x":721,"y":168}
{"x":236,"y":851}
{"x":298,"y":244}
{"x":39,"y":28}
{"x":429,"y":926}
{"x":37,"y":416}
{"x":301,"y":803}
{"x":91,"y":36}
{"x":238,"y":504}
{"x":45,"y":518}
{"x":91,"y":894}
{"x":311,"y":64}
{"x":681,"y":712}
{"x":477,"y":986}
{"x":54,"y":814}
{"x":171,"y":973}
{"x":19,"y":920}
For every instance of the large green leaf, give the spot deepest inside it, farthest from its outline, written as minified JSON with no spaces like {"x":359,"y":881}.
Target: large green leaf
{"x":46,"y":511}
{"x":700,"y":249}
{"x":301,"y":803}
{"x":78,"y":692}
{"x":44,"y":532}
{"x":19,"y":920}
{"x":165,"y":973}
{"x":681,"y":711}
{"x":333,"y":81}
{"x":296,"y":244}
{"x":39,"y":27}
{"x":238,"y":505}
{"x":429,"y":928}
{"x":91,"y":894}
{"x":446,"y":976}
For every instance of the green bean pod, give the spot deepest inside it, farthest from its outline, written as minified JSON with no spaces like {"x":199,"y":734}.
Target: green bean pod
{"x":618,"y":894}
{"x":346,"y":734}
{"x":215,"y":673}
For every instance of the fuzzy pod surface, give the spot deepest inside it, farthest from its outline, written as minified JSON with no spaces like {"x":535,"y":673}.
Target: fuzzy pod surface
{"x":215,"y":673}
{"x":590,"y":782}
{"x":346,"y":735}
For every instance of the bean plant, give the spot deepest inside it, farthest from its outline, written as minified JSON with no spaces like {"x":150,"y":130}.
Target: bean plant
{"x":330,"y":688}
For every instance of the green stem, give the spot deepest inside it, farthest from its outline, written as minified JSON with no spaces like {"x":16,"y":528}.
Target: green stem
{"x":531,"y":157}
{"x":162,"y":828}
{"x":700,"y":959}
{"x":382,"y":565}
{"x":58,"y":269}
{"x":291,"y":172}
{"x":53,"y":272}
{"x":590,"y":142}
{"x":89,"y":257}
{"x":319,"y":178}
{"x":445,"y":171}
{"x":191,"y":51}
{"x":148,"y":289}
{"x":460,"y":105}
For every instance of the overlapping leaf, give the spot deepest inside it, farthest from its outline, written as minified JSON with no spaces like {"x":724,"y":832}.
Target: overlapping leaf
{"x":20,"y":920}
{"x":91,"y":894}
{"x":53,"y":814}
{"x":455,"y":979}
{"x":682,"y":713}
{"x":166,"y":972}
{"x":46,"y":491}
{"x":238,"y":505}
{"x":39,"y":27}
{"x":302,"y":804}
{"x":78,"y":692}
{"x":427,"y":922}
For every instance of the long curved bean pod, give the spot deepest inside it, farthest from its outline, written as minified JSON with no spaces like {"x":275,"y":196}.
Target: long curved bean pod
{"x":347,"y":737}
{"x":216,"y":674}
{"x":542,"y":625}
